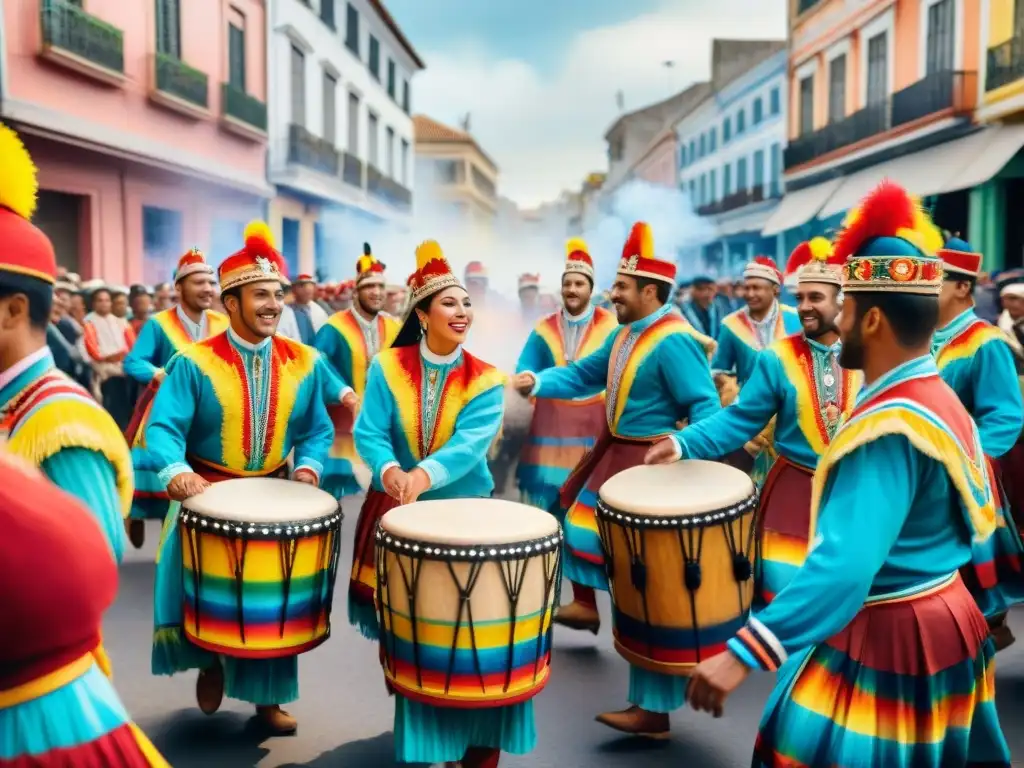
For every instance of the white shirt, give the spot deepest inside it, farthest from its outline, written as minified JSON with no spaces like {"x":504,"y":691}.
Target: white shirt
{"x":288,"y":325}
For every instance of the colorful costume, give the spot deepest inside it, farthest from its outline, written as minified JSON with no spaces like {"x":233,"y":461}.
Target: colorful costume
{"x":656,"y":373}
{"x":57,"y":707}
{"x":163,"y":336}
{"x":53,"y":422}
{"x":561,"y":431}
{"x":798,"y":381}
{"x":349,"y":342}
{"x":440,"y":414}
{"x":974,"y":358}
{"x":229,"y":408}
{"x":883,"y":657}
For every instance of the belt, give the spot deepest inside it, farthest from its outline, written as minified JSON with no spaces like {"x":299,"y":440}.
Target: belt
{"x":914,"y":592}
{"x":48,"y":683}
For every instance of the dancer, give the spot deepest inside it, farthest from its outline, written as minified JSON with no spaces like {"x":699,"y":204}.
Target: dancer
{"x":349,"y":341}
{"x":799,"y":380}
{"x":561,"y":431}
{"x":57,"y":707}
{"x":167,"y":332}
{"x":976,"y":360}
{"x":53,"y":422}
{"x":885,"y":658}
{"x":656,"y":372}
{"x":430,"y":413}
{"x":235,"y":405}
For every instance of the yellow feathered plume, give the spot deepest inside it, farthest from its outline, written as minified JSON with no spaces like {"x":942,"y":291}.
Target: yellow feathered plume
{"x":427,"y":252}
{"x":364,"y":263}
{"x":820,"y":247}
{"x":924,"y":234}
{"x":259,"y":230}
{"x":575,"y":244}
{"x":19,"y":186}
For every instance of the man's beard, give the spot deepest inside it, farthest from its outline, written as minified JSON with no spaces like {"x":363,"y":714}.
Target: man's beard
{"x":822,"y":329}
{"x":367,"y":310}
{"x":851,"y":356}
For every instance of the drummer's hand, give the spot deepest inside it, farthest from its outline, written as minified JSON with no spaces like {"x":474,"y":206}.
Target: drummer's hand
{"x":662,"y":452}
{"x":185,"y":485}
{"x":419,"y":482}
{"x":160,"y":375}
{"x":524,"y":383}
{"x":307,"y":476}
{"x":713,"y":680}
{"x":351,"y":401}
{"x":394,"y":481}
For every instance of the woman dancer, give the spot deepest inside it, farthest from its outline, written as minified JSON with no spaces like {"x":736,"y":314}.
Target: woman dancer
{"x":430,"y":413}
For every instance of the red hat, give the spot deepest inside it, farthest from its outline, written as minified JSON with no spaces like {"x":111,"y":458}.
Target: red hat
{"x":763,"y":268}
{"x":257,"y":261}
{"x":433,"y":274}
{"x":476,"y":270}
{"x":958,"y":256}
{"x":638,"y":257}
{"x":529,"y":281}
{"x":24,"y":249}
{"x":192,"y":263}
{"x":304,"y":278}
{"x":577,"y":258}
{"x":345,"y":289}
{"x":369,"y":271}
{"x":814,"y":262}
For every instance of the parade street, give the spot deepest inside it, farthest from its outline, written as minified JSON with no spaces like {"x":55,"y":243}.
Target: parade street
{"x":345,"y":716}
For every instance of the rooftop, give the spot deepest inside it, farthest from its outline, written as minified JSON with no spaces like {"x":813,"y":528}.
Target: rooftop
{"x":430,"y":131}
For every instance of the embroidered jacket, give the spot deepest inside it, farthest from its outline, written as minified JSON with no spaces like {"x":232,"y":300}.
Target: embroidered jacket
{"x":975,"y":359}
{"x":655,"y":371}
{"x":241,"y":408}
{"x":165,"y":334}
{"x":56,"y":424}
{"x":349,"y":343}
{"x":887,"y":523}
{"x":739,"y":344}
{"x":437,"y":413}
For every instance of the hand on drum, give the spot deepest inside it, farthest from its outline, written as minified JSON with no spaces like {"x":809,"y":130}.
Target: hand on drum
{"x":186,"y":485}
{"x":524,"y":383}
{"x":351,"y":401}
{"x":394,"y":481}
{"x":713,"y":680}
{"x":662,"y":452}
{"x":419,"y":482}
{"x":307,"y":476}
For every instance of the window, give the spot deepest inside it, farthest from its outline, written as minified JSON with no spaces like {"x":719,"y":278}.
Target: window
{"x":389,"y":148}
{"x":168,"y":28}
{"x":448,"y":171}
{"x":741,"y":175}
{"x":837,"y":89}
{"x":758,"y":115}
{"x":776,"y":169}
{"x":713,"y":185}
{"x":161,"y":240}
{"x":682,"y":155}
{"x":406,"y":103}
{"x":373,"y":61}
{"x":940,"y":50}
{"x":298,"y":86}
{"x":330,"y":87}
{"x":327,"y":12}
{"x":878,"y":69}
{"x":741,"y":122}
{"x":703,"y":145}
{"x":807,"y":105}
{"x":712,"y":139}
{"x":236,"y":54}
{"x":372,"y":138}
{"x":759,"y":170}
{"x":726,"y":130}
{"x":703,"y":189}
{"x":775,"y":102}
{"x":392,"y":79}
{"x":353,"y":124}
{"x":693,"y":193}
{"x":352,"y":29}
{"x":405,"y":163}
{"x":726,"y":180}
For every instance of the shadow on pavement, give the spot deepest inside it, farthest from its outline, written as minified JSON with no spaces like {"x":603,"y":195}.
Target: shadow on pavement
{"x":376,"y":752}
{"x":225,"y":740}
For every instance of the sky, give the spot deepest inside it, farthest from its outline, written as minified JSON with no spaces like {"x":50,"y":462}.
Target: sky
{"x":539,"y":77}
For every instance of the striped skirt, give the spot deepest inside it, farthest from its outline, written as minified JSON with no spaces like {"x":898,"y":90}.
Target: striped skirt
{"x":362,"y":585}
{"x":784,"y":519}
{"x":909,"y":683}
{"x":343,"y":465}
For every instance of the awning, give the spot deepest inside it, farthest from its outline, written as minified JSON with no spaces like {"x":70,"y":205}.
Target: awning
{"x":799,"y":207}
{"x":983,"y":161}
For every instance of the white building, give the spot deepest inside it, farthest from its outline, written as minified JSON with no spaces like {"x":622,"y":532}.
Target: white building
{"x":730,"y":153}
{"x":341,"y":132}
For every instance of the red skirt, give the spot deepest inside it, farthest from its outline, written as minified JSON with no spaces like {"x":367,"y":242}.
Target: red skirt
{"x":784,"y":519}
{"x":362,"y":586}
{"x":141,"y":412}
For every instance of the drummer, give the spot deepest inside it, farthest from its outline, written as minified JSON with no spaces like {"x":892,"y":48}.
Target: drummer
{"x":348,"y":341}
{"x":883,"y":657}
{"x":430,"y":413}
{"x":657,"y":373}
{"x":235,"y":405}
{"x":159,"y":340}
{"x":563,"y":430}
{"x":799,"y":380}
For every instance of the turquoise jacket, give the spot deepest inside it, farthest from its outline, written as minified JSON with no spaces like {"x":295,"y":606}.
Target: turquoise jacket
{"x":738,"y":343}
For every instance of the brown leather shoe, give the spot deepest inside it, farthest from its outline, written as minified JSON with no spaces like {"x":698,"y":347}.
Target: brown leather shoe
{"x":1003,"y":636}
{"x":276,"y":720}
{"x":136,"y":532}
{"x":577,"y":615}
{"x":210,"y":689}
{"x":637,"y":722}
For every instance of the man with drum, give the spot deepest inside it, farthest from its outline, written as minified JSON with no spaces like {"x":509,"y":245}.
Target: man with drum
{"x":883,"y":658}
{"x":798,"y":380}
{"x":561,"y":431}
{"x":349,"y":341}
{"x":159,"y":340}
{"x":235,"y":405}
{"x":656,"y":372}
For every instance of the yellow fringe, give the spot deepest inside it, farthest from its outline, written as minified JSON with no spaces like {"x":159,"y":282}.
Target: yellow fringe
{"x":153,"y":757}
{"x":103,"y":660}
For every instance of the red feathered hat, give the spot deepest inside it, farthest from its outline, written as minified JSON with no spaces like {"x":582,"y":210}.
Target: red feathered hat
{"x":369,"y":271}
{"x":192,"y":263}
{"x":638,"y":257}
{"x":763,"y":268}
{"x":258,"y":261}
{"x":432,"y":273}
{"x":577,"y":258}
{"x":24,"y":249}
{"x":814,"y":262}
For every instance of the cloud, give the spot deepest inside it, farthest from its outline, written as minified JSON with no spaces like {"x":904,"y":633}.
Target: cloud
{"x":546,"y":132}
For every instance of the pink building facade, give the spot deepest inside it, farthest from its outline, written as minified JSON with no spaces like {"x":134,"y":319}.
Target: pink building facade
{"x":147,"y":120}
{"x":658,"y":164}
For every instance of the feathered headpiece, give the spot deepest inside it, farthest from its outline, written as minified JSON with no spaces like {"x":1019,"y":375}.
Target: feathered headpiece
{"x":369,"y":271}
{"x":638,"y":258}
{"x":24,"y":249}
{"x":192,"y":263}
{"x":763,"y":268}
{"x":577,"y":258}
{"x":958,"y":257}
{"x":813,"y":262}
{"x":257,"y":261}
{"x":888,"y":243}
{"x":432,"y":273}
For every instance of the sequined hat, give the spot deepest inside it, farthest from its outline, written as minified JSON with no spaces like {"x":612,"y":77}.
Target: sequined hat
{"x":369,"y":271}
{"x":24,"y":249}
{"x":958,"y":257}
{"x":257,"y":261}
{"x":813,"y":262}
{"x":638,"y":258}
{"x":577,"y":258}
{"x":432,"y":273}
{"x":763,"y":268}
{"x":192,"y":263}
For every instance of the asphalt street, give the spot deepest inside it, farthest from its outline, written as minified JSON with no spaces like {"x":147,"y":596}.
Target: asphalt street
{"x":345,"y":716}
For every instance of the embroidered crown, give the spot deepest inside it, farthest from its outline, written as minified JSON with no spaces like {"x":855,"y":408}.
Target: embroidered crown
{"x":814,"y":262}
{"x":432,"y":273}
{"x":577,"y":258}
{"x":192,"y":263}
{"x":638,"y":258}
{"x":257,"y":261}
{"x":763,"y":268}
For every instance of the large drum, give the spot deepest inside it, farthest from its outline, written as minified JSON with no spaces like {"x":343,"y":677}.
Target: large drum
{"x":260,"y":556}
{"x":465,"y":593}
{"x":678,"y":544}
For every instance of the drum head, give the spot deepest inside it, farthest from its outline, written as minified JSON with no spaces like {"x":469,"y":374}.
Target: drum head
{"x":262,"y":500}
{"x":678,"y":489}
{"x":469,"y":522}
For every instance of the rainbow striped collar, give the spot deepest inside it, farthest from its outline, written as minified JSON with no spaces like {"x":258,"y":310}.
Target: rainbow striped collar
{"x":918,"y":368}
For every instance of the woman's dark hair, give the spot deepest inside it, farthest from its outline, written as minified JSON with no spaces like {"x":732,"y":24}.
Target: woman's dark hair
{"x":38,"y":293}
{"x":664,"y":289}
{"x":913,"y":317}
{"x":411,"y":333}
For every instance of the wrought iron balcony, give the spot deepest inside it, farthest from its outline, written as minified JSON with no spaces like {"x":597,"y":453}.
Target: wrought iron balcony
{"x":352,"y":170}
{"x":374,"y":179}
{"x":733,"y":201}
{"x":175,"y":78}
{"x":860,"y":125}
{"x":243,"y":110}
{"x":81,"y":41}
{"x":933,"y":93}
{"x":311,"y":151}
{"x":1005,"y":63}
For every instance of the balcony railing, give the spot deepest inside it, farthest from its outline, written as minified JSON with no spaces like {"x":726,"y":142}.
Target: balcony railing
{"x":352,"y":170}
{"x":373,"y":179}
{"x":68,"y":28}
{"x":388,"y":190}
{"x":733,"y":201}
{"x":803,"y":6}
{"x":311,"y":151}
{"x":860,"y":125}
{"x":176,"y":78}
{"x":1005,"y":63}
{"x":934,"y":93}
{"x":239,"y":105}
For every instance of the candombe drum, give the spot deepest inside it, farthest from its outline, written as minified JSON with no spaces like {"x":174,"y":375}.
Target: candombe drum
{"x":465,"y":594}
{"x":260,"y":557}
{"x":678,"y":543}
